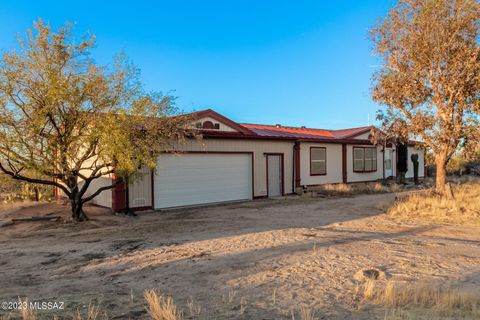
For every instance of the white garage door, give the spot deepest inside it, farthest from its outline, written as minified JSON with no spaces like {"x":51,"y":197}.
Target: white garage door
{"x":199,"y":178}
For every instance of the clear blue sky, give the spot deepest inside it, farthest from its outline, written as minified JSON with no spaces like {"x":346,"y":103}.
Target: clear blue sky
{"x":289,"y":62}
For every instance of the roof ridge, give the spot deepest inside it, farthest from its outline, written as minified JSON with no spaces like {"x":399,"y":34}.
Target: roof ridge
{"x":353,"y":128}
{"x":282,"y":126}
{"x":303,"y":127}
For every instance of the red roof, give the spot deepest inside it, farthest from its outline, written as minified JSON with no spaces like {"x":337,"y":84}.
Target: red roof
{"x":262,"y":131}
{"x":304,"y":133}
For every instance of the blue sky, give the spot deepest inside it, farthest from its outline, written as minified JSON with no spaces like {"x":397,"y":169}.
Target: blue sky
{"x":290,"y":62}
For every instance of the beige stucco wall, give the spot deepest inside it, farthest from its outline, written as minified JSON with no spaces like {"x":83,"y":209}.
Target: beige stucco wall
{"x":259,"y":148}
{"x":367,"y":176}
{"x":105,"y":197}
{"x":334,"y":164}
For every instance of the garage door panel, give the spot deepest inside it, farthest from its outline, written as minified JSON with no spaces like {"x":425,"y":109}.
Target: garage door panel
{"x":190,"y":179}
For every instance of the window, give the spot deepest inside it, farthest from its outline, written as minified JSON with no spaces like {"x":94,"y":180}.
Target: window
{"x":364,"y":159}
{"x":318,"y":161}
{"x":208,"y":125}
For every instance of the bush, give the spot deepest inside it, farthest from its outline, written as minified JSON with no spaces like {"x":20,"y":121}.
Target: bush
{"x":13,"y":191}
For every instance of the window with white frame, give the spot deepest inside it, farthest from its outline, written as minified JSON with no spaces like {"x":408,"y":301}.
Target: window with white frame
{"x":318,"y":161}
{"x":364,"y":159}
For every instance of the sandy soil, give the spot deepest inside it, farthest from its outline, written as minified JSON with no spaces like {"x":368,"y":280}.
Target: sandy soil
{"x":255,"y":260}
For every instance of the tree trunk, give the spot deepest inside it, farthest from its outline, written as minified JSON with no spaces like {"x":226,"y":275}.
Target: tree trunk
{"x":37,"y":196}
{"x":77,"y":210}
{"x":441,"y":175}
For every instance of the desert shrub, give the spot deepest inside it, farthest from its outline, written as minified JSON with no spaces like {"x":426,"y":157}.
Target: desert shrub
{"x":13,"y":191}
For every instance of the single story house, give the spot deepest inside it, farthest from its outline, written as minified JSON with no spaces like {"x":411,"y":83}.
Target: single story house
{"x":239,"y":161}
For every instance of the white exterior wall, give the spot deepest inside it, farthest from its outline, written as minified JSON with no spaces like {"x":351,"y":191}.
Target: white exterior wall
{"x":421,"y":162}
{"x":394,"y":159}
{"x":363,"y":176}
{"x":259,"y":148}
{"x":104,"y":199}
{"x":334,"y":164}
{"x":140,"y":189}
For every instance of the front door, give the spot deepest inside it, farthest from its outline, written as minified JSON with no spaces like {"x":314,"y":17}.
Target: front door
{"x":388,"y":165}
{"x":274,"y":175}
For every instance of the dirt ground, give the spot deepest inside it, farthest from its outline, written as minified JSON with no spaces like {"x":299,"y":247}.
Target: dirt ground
{"x":255,"y":260}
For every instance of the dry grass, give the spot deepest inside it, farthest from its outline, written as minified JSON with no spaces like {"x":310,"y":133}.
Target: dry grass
{"x":93,"y":313}
{"x":463,"y":209}
{"x":305,"y":313}
{"x":27,"y":313}
{"x":423,"y":301}
{"x":194,"y":309}
{"x":355,"y":188}
{"x":161,"y":307}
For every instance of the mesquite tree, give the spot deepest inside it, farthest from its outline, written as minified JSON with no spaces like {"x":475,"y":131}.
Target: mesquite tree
{"x":430,"y":78}
{"x":65,"y":121}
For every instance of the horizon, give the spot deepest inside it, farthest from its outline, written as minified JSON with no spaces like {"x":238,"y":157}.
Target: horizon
{"x":311,"y":65}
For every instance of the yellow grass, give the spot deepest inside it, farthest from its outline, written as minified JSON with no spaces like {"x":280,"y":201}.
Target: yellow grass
{"x":355,"y":188}
{"x":161,"y":307}
{"x":305,"y":313}
{"x":424,"y":301}
{"x":194,"y":309}
{"x":93,"y":313}
{"x":463,"y":209}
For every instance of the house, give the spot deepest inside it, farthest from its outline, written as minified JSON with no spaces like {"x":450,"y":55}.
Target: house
{"x":239,"y":161}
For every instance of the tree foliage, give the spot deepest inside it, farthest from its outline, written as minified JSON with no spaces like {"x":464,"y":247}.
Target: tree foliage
{"x":66,"y":118}
{"x":430,"y":78}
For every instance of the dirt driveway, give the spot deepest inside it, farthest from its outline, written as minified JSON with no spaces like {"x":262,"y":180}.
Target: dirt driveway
{"x":256,"y":260}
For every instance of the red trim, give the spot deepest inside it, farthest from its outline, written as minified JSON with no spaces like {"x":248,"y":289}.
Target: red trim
{"x":236,"y":135}
{"x":344,"y":163}
{"x":318,"y":174}
{"x":282,"y":178}
{"x":367,"y":129}
{"x":144,"y":208}
{"x":353,"y":159}
{"x":296,"y":149}
{"x":118,"y":195}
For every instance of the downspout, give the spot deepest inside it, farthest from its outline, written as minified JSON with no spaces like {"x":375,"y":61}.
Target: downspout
{"x":293,"y":170}
{"x":344,"y":163}
{"x":296,"y":152}
{"x":383,"y":166}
